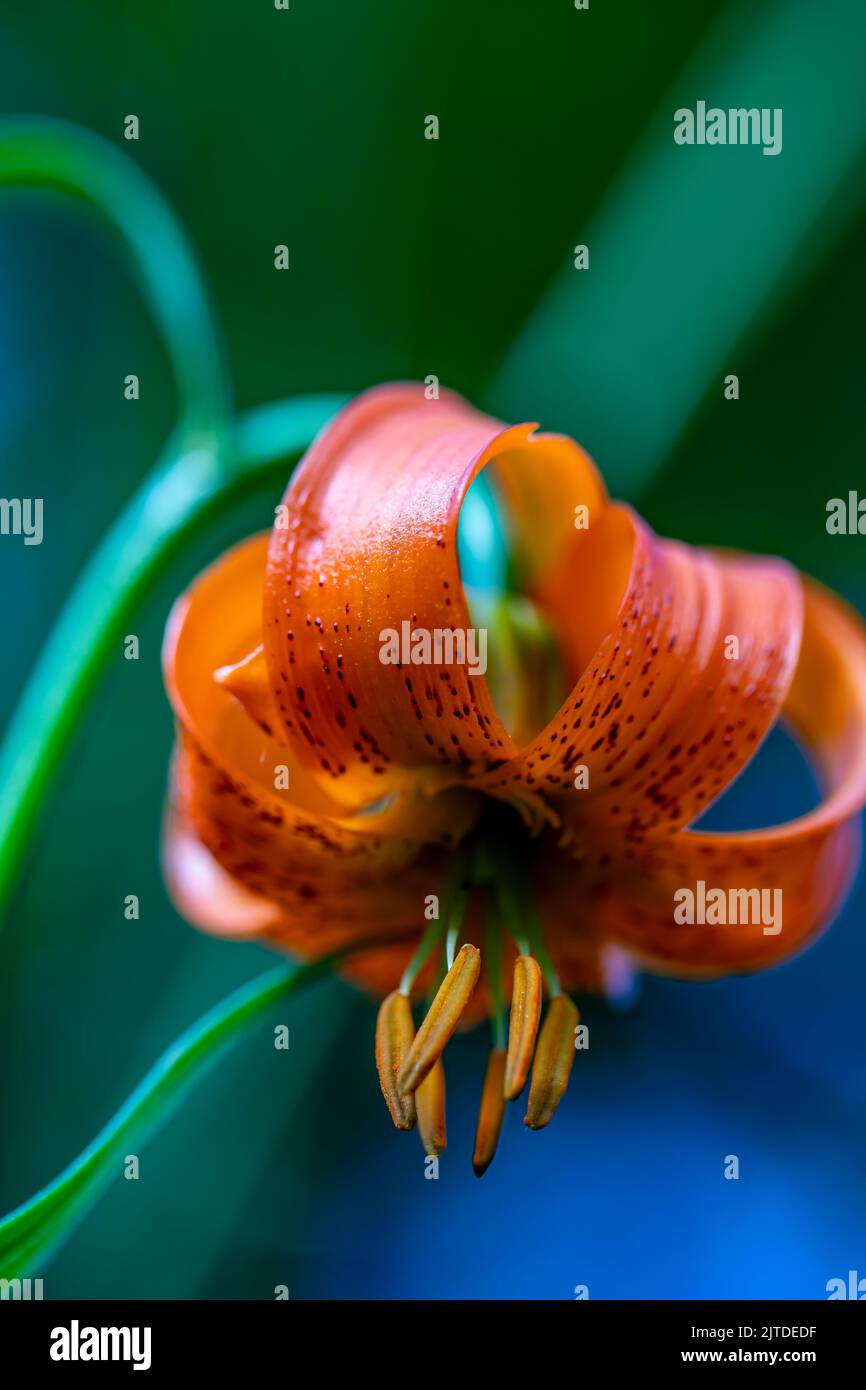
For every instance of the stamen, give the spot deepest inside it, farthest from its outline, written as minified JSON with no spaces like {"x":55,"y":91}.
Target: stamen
{"x":395,"y":1030}
{"x":430,"y":1107}
{"x":554,"y":1056}
{"x":430,"y":939}
{"x":454,"y":894}
{"x":490,"y":1113}
{"x":493,"y":971}
{"x":518,"y":908}
{"x":442,"y":1018}
{"x":457,"y":911}
{"x":522,"y":1024}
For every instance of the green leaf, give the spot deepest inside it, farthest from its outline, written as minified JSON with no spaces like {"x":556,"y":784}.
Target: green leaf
{"x":693,"y":248}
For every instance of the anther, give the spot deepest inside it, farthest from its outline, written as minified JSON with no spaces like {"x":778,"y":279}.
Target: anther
{"x":490,"y":1113}
{"x":442,"y":1018}
{"x":554,"y":1056}
{"x":395,"y":1030}
{"x":522,"y":1023}
{"x":430,"y":1108}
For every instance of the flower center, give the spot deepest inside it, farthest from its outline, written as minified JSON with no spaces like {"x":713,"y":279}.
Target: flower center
{"x":485,"y":894}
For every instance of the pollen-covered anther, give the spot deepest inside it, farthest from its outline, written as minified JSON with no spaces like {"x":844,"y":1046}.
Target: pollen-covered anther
{"x":522,"y":1023}
{"x":395,"y":1030}
{"x":554,"y":1056}
{"x":490,"y":1113}
{"x":430,"y":1108}
{"x":442,"y":1018}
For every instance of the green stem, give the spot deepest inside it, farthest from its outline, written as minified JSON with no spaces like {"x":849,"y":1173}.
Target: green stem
{"x":202,"y":465}
{"x":51,"y":154}
{"x":173,"y":502}
{"x":454,"y":896}
{"x":30,"y":1234}
{"x":517,"y":906}
{"x":493,"y":970}
{"x":456,"y":902}
{"x":451,"y":941}
{"x":432,"y":936}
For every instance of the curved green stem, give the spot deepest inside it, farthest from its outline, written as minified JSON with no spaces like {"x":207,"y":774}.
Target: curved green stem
{"x":51,"y":154}
{"x":179,"y":495}
{"x":455,"y":924}
{"x":30,"y":1234}
{"x":202,"y":465}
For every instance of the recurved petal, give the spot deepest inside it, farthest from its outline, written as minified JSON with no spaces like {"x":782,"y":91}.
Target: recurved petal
{"x":298,"y":860}
{"x":554,"y":1056}
{"x":808,"y":862}
{"x":765,"y":898}
{"x":305,"y":910}
{"x":247,"y":680}
{"x":682,"y":660}
{"x":371,"y":545}
{"x":204,"y":892}
{"x":254,"y":846}
{"x":783,"y":884}
{"x":216,"y":680}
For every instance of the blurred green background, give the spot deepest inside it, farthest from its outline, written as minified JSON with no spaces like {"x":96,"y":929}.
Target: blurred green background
{"x":411,"y":257}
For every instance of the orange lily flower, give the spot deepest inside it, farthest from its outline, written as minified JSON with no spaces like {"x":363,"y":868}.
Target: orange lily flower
{"x":331,"y":790}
